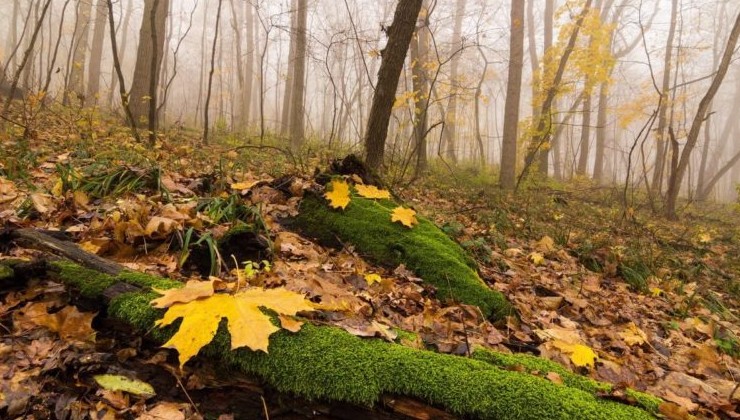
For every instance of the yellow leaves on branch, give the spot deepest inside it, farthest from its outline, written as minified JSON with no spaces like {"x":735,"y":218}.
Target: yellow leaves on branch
{"x":338,"y":195}
{"x":406,"y":217}
{"x":247,"y":324}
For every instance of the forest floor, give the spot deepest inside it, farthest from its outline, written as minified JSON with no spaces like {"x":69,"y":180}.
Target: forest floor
{"x":656,"y":301}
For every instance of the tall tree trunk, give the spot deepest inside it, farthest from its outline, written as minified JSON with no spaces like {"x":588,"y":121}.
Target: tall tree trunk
{"x":585,"y":135}
{"x":24,"y":60}
{"x":297,"y":102}
{"x":124,"y":42}
{"x":119,"y":73}
{"x":662,"y":131}
{"x":12,"y":40}
{"x":288,"y":92}
{"x":148,"y":62}
{"x":601,"y":132}
{"x":96,"y":51}
{"x":210,"y":75}
{"x":81,"y":35}
{"x":544,"y":155}
{"x":53,"y":60}
{"x":676,"y":178}
{"x":457,"y":45}
{"x":419,"y":50}
{"x":541,"y":140}
{"x":249,"y":63}
{"x":513,"y":96}
{"x":393,"y":56}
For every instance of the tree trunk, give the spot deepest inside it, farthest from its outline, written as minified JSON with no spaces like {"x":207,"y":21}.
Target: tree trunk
{"x":80,"y":38}
{"x":513,"y":96}
{"x":393,"y":56}
{"x":419,"y":50}
{"x":288,"y":92}
{"x":544,"y":155}
{"x":674,"y":182}
{"x":297,"y":100}
{"x":210,"y":75}
{"x":124,"y":42}
{"x":119,"y":73}
{"x":148,"y":62}
{"x":662,"y":131}
{"x":24,"y":60}
{"x":457,"y":45}
{"x":585,"y":135}
{"x":96,"y":51}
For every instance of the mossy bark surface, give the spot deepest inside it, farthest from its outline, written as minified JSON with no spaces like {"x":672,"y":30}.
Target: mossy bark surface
{"x":425,"y":249}
{"x":328,"y":363}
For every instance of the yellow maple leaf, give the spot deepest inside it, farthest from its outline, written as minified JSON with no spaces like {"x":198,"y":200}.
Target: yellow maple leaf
{"x":580,"y":354}
{"x":633,"y":335}
{"x":371,"y":191}
{"x":536,"y":258}
{"x":407,"y":217}
{"x":373,"y":278}
{"x":339,"y":195}
{"x":248,"y":326}
{"x":194,"y":289}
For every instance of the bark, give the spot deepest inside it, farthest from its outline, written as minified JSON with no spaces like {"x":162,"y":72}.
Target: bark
{"x":81,"y":35}
{"x":585,"y":136}
{"x":543,"y":129}
{"x":544,"y":155}
{"x":124,"y":42}
{"x":601,"y":132}
{"x":457,"y":45}
{"x":662,"y":131}
{"x":676,"y":178}
{"x":288,"y":92}
{"x":393,"y":56}
{"x":419,"y":50}
{"x":513,"y":96}
{"x":148,"y":62}
{"x":297,"y":100}
{"x":53,"y":60}
{"x":119,"y":73}
{"x":12,"y":42}
{"x":210,"y":74}
{"x":24,"y":61}
{"x":96,"y":51}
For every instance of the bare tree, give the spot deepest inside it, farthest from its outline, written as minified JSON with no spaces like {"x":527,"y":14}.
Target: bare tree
{"x":80,"y":38}
{"x":513,"y":95}
{"x":121,"y":82}
{"x":96,"y":51}
{"x":677,"y":173}
{"x":451,"y":123}
{"x":393,"y":56}
{"x":210,"y":74}
{"x":297,"y":111}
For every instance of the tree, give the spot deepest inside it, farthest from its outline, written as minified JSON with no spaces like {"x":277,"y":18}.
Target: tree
{"x":96,"y":50}
{"x":148,"y":61}
{"x":80,"y":38}
{"x":210,"y":75}
{"x":119,"y":73}
{"x":451,"y":114}
{"x":513,"y":96}
{"x":677,"y":173}
{"x":419,"y":50}
{"x":393,"y":56}
{"x":297,"y":111}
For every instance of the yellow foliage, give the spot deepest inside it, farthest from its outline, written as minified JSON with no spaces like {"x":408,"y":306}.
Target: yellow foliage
{"x":371,"y":191}
{"x":339,"y":195}
{"x":407,"y":217}
{"x":373,"y":278}
{"x":633,"y":334}
{"x":248,"y":326}
{"x":581,"y":355}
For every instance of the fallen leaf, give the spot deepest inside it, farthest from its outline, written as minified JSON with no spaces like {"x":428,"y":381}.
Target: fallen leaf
{"x":371,"y":191}
{"x":633,"y":335}
{"x":338,"y":195}
{"x":194,"y":289}
{"x":290,"y":323}
{"x":546,"y":244}
{"x":372,"y":279}
{"x":249,"y":327}
{"x":407,"y":217}
{"x":122,"y":383}
{"x":536,"y":258}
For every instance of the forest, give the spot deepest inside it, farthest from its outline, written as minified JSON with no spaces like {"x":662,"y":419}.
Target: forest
{"x":355,"y":209}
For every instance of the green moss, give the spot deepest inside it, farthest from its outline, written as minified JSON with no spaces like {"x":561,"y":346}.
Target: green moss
{"x":6,"y":272}
{"x":425,"y":249}
{"x":328,"y":363}
{"x":543,"y":366}
{"x":92,"y":283}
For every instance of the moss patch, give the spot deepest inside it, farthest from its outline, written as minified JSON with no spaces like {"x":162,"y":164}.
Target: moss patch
{"x":425,"y":249}
{"x":543,"y":366}
{"x":92,"y":283}
{"x":328,"y":363}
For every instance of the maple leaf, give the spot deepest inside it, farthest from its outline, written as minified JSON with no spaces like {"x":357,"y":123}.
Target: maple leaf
{"x":373,"y":278}
{"x":339,"y":195}
{"x":407,"y":217}
{"x":371,"y":191}
{"x":194,"y":289}
{"x":633,"y":335}
{"x":248,"y":326}
{"x":536,"y":258}
{"x":581,"y":355}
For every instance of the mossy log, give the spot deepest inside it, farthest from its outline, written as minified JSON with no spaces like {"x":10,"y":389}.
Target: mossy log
{"x":425,"y":249}
{"x":328,"y":363}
